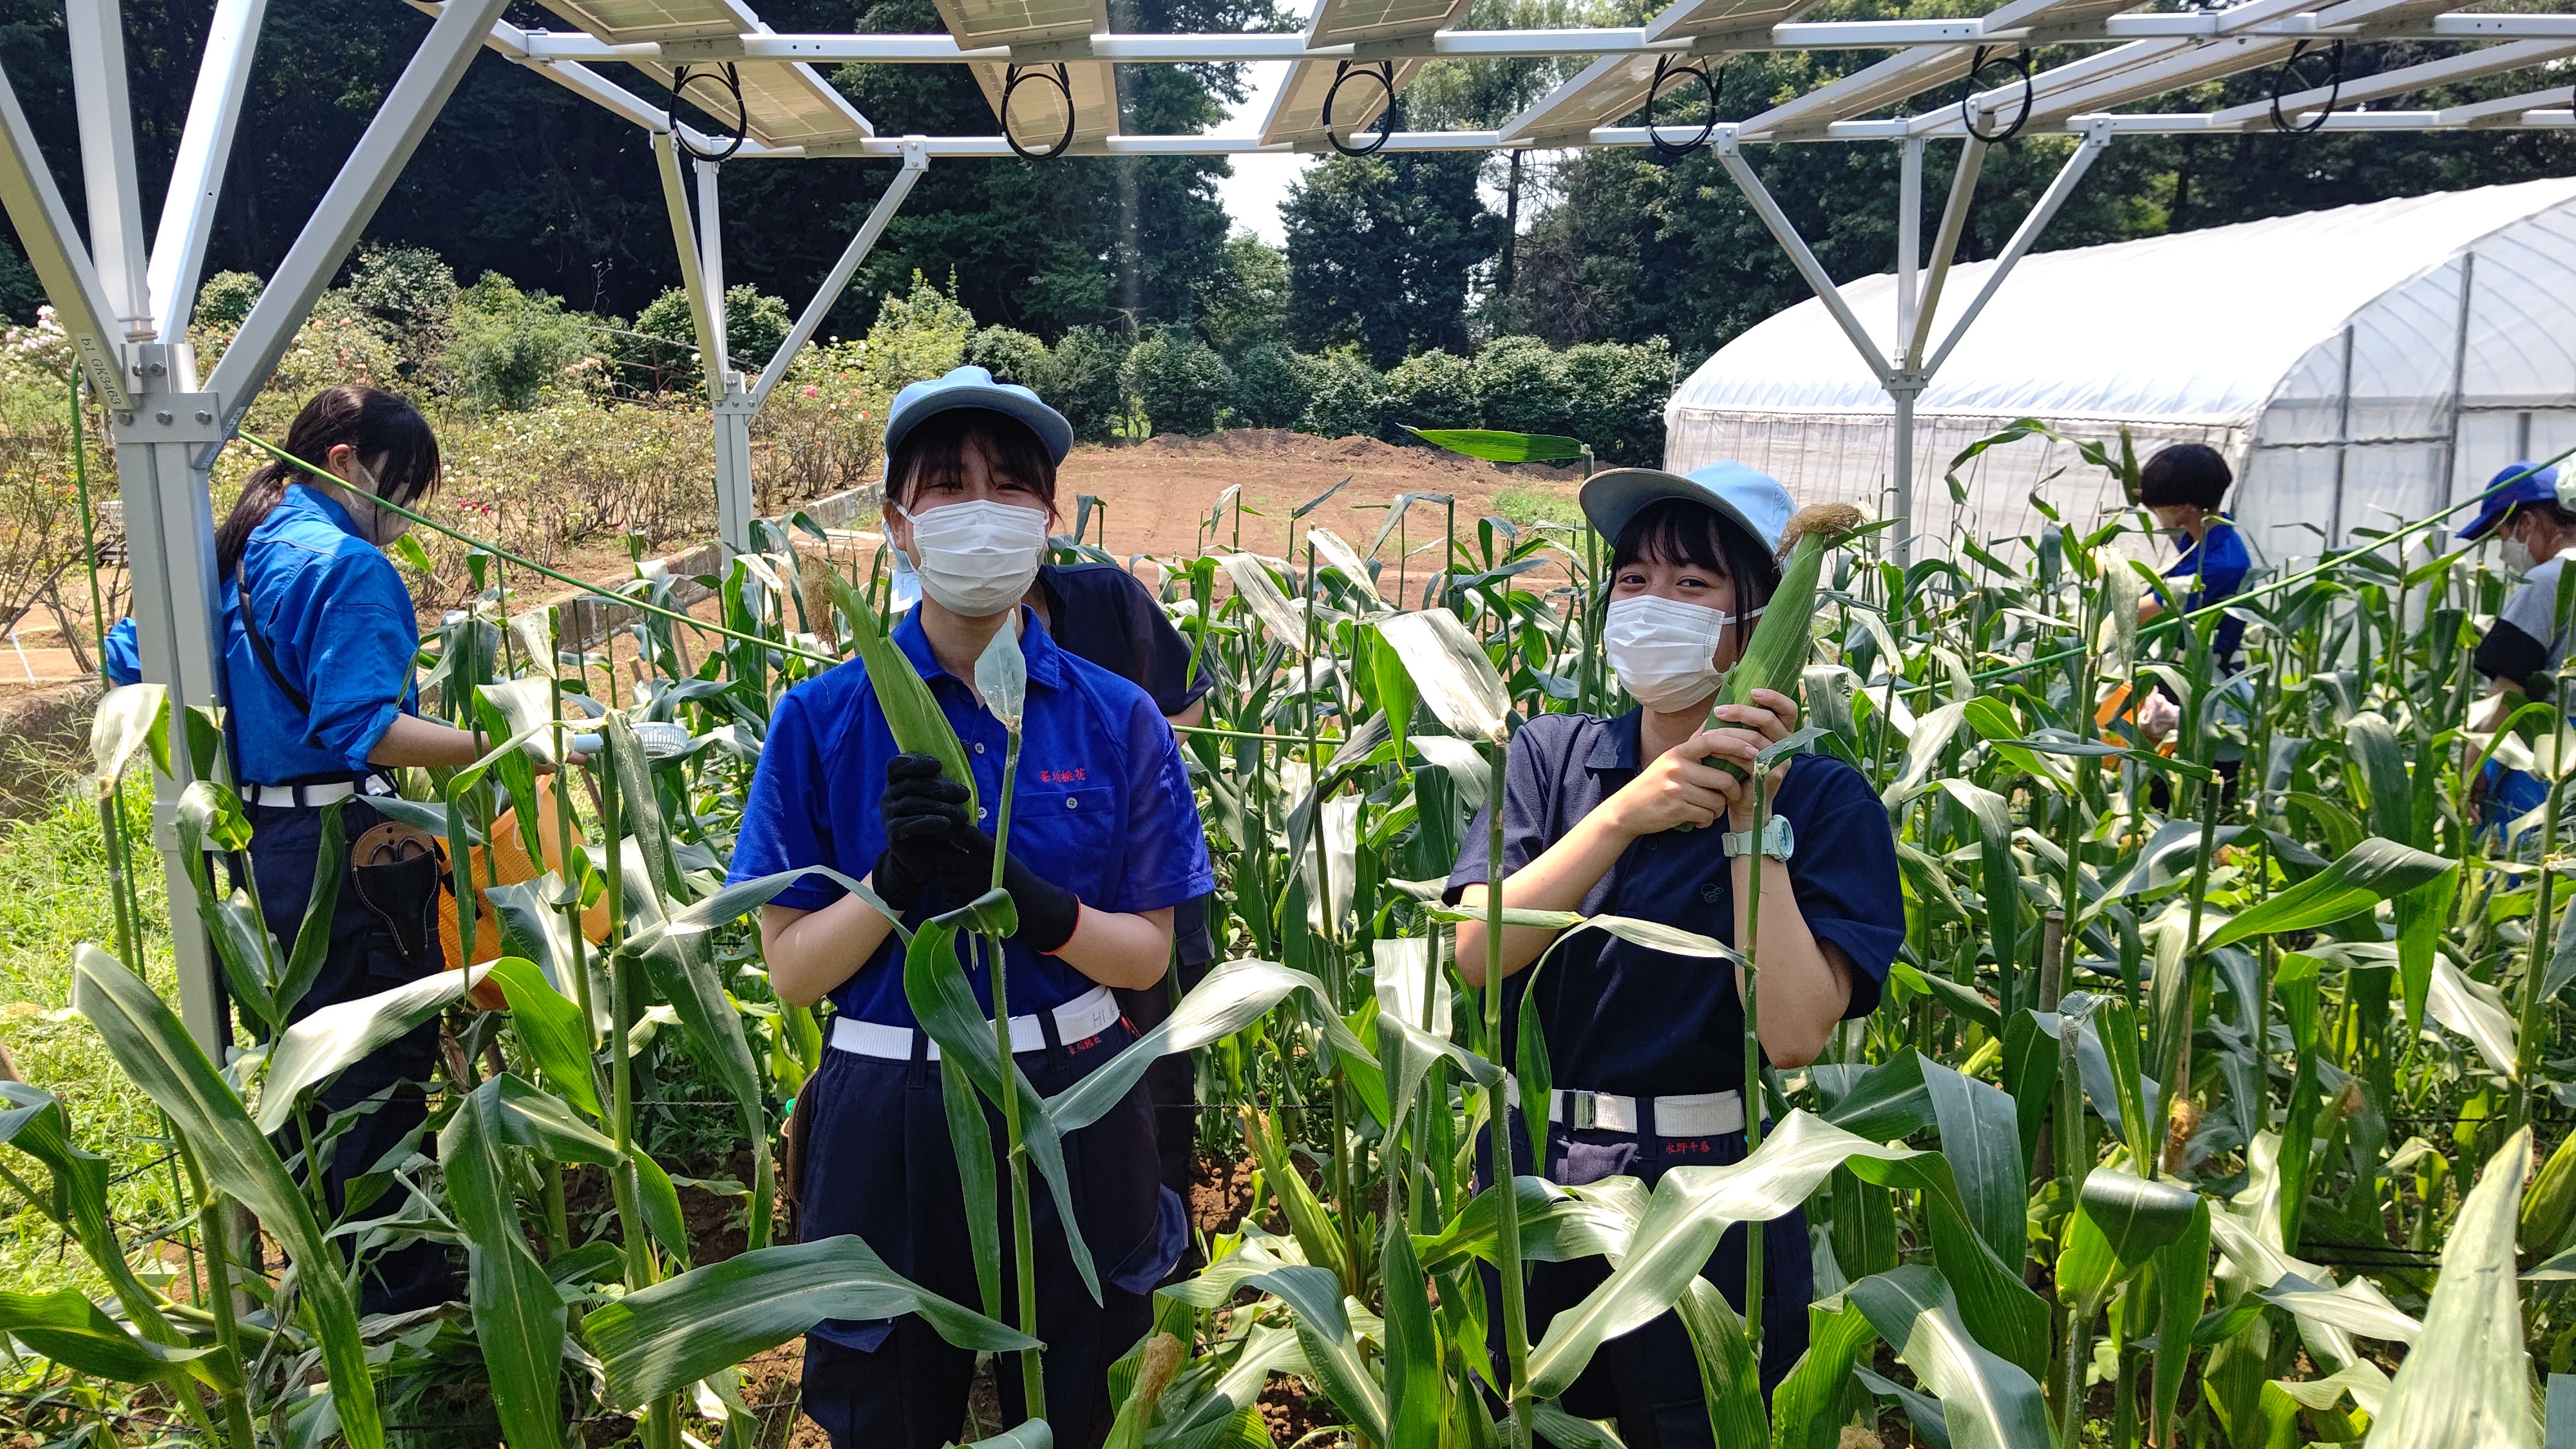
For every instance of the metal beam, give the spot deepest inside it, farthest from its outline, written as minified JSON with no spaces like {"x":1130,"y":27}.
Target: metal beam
{"x":2024,"y":237}
{"x":53,"y":247}
{"x":711,"y":282}
{"x":675,"y":201}
{"x":1787,"y":233}
{"x":344,"y":210}
{"x":915,"y":162}
{"x":104,"y":107}
{"x":1945,"y":249}
{"x":197,"y":175}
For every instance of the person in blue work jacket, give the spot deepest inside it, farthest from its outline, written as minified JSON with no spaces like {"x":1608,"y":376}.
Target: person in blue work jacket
{"x":1647,"y":1047}
{"x":2527,"y":644}
{"x":1105,"y":844}
{"x":319,"y":644}
{"x":1100,"y":612}
{"x":2184,"y":486}
{"x":120,"y":656}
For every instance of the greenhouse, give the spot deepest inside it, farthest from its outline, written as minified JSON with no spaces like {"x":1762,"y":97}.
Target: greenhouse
{"x":2357,"y":366}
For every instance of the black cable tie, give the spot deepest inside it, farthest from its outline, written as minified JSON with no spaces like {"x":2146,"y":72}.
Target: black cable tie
{"x":1670,"y":152}
{"x":1055,"y":75}
{"x":730,"y":78}
{"x":2281,"y":87}
{"x":1384,"y":74}
{"x":1984,"y":60}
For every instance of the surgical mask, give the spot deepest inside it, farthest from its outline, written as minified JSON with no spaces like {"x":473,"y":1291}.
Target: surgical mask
{"x":977,"y":559}
{"x":377,"y":524}
{"x":2517,"y":557}
{"x":1665,"y":651}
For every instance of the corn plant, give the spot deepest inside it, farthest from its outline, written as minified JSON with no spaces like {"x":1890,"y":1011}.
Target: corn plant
{"x":2203,"y":1105}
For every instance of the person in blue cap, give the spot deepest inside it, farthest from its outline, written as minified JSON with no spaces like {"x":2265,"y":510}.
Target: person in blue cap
{"x":1105,"y":843}
{"x":1647,"y":1047}
{"x":2533,"y":531}
{"x":320,"y":640}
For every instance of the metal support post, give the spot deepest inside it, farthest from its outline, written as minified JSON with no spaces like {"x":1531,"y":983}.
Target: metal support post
{"x":170,"y":540}
{"x":2096,"y":138}
{"x":1909,"y":234}
{"x":675,"y":201}
{"x":916,"y":159}
{"x":53,"y":245}
{"x":344,"y":210}
{"x":1945,"y":250}
{"x":197,"y":175}
{"x":711,"y":279}
{"x":1903,"y":392}
{"x":1787,"y":234}
{"x":2459,"y":393}
{"x":96,"y":30}
{"x":736,"y":502}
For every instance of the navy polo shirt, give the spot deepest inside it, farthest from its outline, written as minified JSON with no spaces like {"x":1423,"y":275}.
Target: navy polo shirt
{"x":2220,"y":562}
{"x":1100,"y":612}
{"x":1101,"y":807}
{"x":1626,"y":1019}
{"x":340,"y":625}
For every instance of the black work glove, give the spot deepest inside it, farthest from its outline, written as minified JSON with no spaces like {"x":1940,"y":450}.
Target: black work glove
{"x":921,"y":808}
{"x":1048,"y":912}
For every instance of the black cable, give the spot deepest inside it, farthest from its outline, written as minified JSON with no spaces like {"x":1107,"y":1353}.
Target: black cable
{"x":1714,"y":86}
{"x":726,"y":76}
{"x":1384,"y":74}
{"x":2281,"y":87}
{"x":1055,"y":75}
{"x":2019,"y":61}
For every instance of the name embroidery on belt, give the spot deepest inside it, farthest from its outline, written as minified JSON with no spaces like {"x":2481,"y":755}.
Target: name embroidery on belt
{"x":1060,"y":777}
{"x":1687,"y":1147}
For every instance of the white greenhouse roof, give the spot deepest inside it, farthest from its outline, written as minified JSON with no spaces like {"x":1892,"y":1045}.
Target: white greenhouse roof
{"x":2199,"y":328}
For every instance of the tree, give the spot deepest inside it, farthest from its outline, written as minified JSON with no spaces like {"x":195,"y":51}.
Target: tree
{"x":1382,"y":250}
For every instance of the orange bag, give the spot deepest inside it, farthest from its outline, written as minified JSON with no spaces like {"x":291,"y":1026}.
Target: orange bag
{"x":508,"y":856}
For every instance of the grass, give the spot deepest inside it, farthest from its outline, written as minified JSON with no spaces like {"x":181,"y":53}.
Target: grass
{"x":53,"y":896}
{"x":1526,"y":506}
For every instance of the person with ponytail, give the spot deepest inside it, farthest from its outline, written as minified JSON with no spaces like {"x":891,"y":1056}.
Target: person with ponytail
{"x":319,"y":643}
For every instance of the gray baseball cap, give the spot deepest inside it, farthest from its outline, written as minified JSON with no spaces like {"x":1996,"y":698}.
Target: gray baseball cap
{"x":1753,"y":501}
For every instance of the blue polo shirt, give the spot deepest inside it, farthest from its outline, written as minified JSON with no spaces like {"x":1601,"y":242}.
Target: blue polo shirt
{"x":121,"y":655}
{"x":1623,"y":1018}
{"x":340,"y":625}
{"x":1102,"y":805}
{"x":2220,"y":561}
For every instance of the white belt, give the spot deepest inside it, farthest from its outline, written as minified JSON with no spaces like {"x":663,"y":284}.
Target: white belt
{"x":323,"y":794}
{"x":1080,"y":1019}
{"x":1701,"y":1114}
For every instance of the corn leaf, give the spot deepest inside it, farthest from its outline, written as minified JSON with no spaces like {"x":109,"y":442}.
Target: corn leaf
{"x":129,"y":717}
{"x":1230,"y":998}
{"x":660,"y":1339}
{"x":316,"y":1049}
{"x":76,"y":1333}
{"x":1986,"y":1402}
{"x":1496,"y":446}
{"x":550,"y":1028}
{"x":2375,"y":870}
{"x":2468,"y":1381}
{"x":162,"y":1059}
{"x":1730,"y":1381}
{"x":912,"y":715}
{"x":1806,"y":1410}
{"x":1450,"y":668}
{"x":518,"y":1316}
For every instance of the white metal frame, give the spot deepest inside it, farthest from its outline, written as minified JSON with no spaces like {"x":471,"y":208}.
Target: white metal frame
{"x":126,"y":309}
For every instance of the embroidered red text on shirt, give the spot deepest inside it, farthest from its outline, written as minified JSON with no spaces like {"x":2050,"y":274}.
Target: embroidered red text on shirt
{"x":1057,"y":777}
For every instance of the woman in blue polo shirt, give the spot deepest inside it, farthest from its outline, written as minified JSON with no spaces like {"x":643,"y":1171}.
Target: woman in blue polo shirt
{"x":1105,"y":843}
{"x":1647,"y":1048}
{"x":319,"y":645}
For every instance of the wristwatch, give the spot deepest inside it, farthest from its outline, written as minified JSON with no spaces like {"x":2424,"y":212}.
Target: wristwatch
{"x":1777,"y":841}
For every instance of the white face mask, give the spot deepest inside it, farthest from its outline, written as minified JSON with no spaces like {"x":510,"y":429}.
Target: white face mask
{"x":1665,"y":651}
{"x":977,"y":559}
{"x":376,"y":523}
{"x":2517,"y":557}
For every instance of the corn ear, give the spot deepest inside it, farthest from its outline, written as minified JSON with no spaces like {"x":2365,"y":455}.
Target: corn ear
{"x":2550,"y":1202}
{"x":911,"y":713}
{"x":1775,"y":658}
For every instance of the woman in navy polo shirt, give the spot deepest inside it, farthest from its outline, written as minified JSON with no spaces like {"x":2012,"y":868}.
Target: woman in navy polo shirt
{"x":1647,"y":1048}
{"x":1105,"y":843}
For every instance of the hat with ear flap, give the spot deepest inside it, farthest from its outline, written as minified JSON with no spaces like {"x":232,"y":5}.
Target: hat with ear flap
{"x":1752,"y":500}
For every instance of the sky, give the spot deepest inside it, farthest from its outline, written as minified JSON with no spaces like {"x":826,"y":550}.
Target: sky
{"x":1252,"y":195}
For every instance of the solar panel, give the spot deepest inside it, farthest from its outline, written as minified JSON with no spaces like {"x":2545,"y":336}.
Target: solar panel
{"x":784,"y":102}
{"x":1297,"y":114}
{"x":2493,"y":60}
{"x":1615,"y":85}
{"x":1917,"y":68}
{"x":1037,"y":103}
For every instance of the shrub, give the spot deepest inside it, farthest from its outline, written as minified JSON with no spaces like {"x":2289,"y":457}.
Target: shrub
{"x":755,"y":324}
{"x":1430,"y":390}
{"x":1271,"y":387}
{"x":822,"y":431}
{"x":1615,"y":394}
{"x":408,"y":289}
{"x":1089,"y":385}
{"x":1180,"y":381}
{"x":1346,"y":395}
{"x":1011,"y":356}
{"x":226,"y":298}
{"x":506,"y":348}
{"x":918,"y":335}
{"x":1521,"y":385}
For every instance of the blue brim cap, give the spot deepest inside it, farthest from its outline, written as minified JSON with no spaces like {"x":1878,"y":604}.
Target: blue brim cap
{"x":2516,"y":484}
{"x":973,"y":387}
{"x":1753,"y":500}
